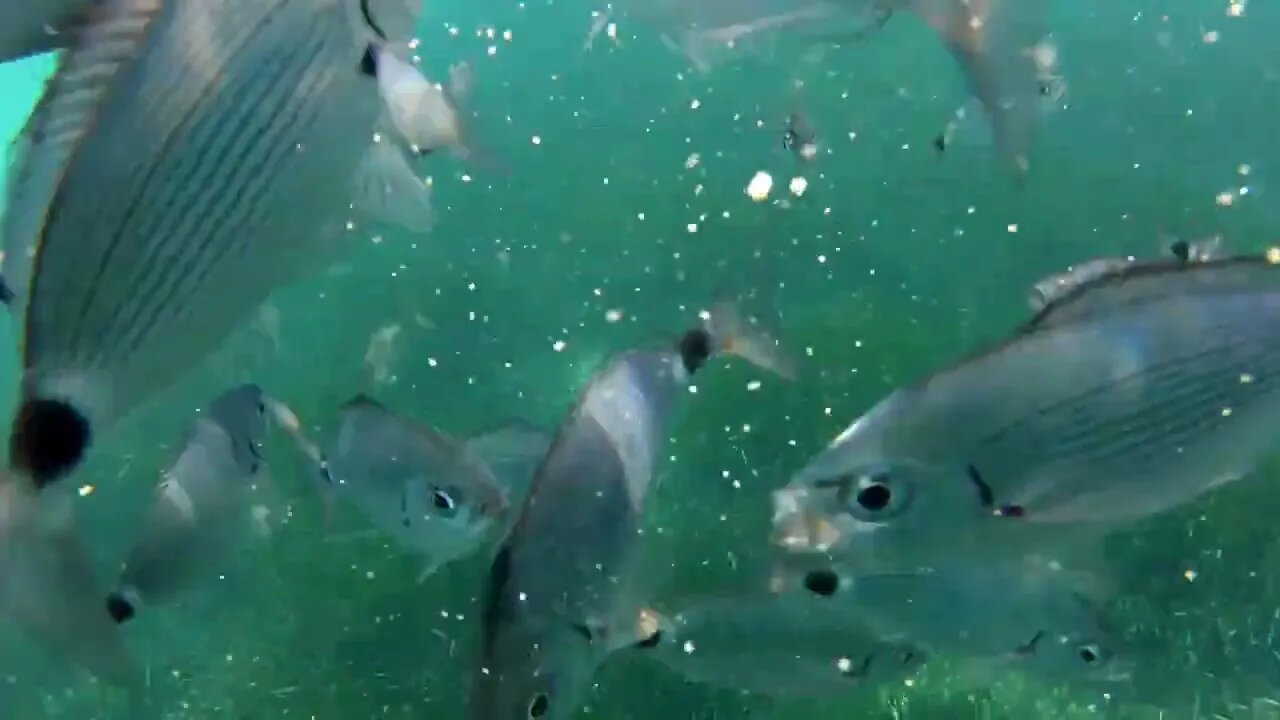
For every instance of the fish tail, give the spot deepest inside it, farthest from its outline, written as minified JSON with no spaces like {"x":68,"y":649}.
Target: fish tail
{"x":732,"y":333}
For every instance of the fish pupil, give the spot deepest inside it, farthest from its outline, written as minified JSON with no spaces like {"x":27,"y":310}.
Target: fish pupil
{"x":539,"y":706}
{"x":1088,"y":654}
{"x":875,"y":497}
{"x":441,"y":500}
{"x":822,"y":582}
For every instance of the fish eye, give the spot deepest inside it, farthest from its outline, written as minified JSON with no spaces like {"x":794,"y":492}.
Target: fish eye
{"x":872,"y":496}
{"x":539,"y":706}
{"x":443,"y":501}
{"x":1090,"y":653}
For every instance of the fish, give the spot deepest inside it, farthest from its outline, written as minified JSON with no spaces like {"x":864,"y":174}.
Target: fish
{"x":998,"y":45}
{"x":564,"y":585}
{"x":1024,"y":616}
{"x":800,"y":137}
{"x":968,"y":125}
{"x":426,"y":116}
{"x":165,"y":184}
{"x":32,"y":27}
{"x":48,"y":587}
{"x":777,"y":644}
{"x":421,"y":487}
{"x":381,"y":353}
{"x":203,"y":508}
{"x":1128,"y":395}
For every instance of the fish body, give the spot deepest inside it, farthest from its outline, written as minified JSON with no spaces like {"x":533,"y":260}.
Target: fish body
{"x":778,"y":644}
{"x":564,"y":586}
{"x":32,"y":27}
{"x":423,"y":488}
{"x":1025,"y":617}
{"x":187,"y":158}
{"x":203,"y":506}
{"x":1126,"y":396}
{"x":994,"y":42}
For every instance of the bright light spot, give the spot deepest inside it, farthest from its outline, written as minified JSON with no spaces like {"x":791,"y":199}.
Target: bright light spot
{"x":86,"y":490}
{"x":759,"y":187}
{"x":558,"y":346}
{"x":798,"y":186}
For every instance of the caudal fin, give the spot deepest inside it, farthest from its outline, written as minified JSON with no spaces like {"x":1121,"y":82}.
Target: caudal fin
{"x":736,"y":334}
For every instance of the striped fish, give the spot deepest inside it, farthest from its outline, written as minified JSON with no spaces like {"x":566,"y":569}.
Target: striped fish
{"x":1130,"y":393}
{"x":187,"y":158}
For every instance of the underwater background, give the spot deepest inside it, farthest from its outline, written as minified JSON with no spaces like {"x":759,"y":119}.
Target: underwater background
{"x":893,"y":262}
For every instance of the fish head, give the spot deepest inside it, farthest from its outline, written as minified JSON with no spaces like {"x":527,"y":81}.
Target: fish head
{"x":870,"y":511}
{"x":467,"y":499}
{"x":242,"y":413}
{"x":531,"y":671}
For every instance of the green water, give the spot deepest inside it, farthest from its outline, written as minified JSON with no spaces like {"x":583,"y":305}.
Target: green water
{"x":891,"y":264}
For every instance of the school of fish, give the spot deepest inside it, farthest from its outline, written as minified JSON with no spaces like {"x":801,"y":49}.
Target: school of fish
{"x":174,"y":153}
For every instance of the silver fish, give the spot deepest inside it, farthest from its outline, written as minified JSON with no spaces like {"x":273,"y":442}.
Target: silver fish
{"x":995,"y":43}
{"x":1130,"y":395}
{"x":165,"y":185}
{"x":203,"y":506}
{"x":776,"y":644}
{"x":564,"y":586}
{"x":1025,"y":617}
{"x":423,"y":488}
{"x":32,"y":27}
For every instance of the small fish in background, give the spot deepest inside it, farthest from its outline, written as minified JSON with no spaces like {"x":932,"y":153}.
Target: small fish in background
{"x":968,"y":124}
{"x":382,"y":353}
{"x":1030,"y":616}
{"x":1137,"y":391}
{"x":799,"y":137}
{"x":995,"y":43}
{"x":204,"y":507}
{"x":425,"y":115}
{"x":49,"y":590}
{"x":32,"y":27}
{"x":428,"y":491}
{"x":775,"y":644}
{"x":564,"y":587}
{"x":136,"y":152}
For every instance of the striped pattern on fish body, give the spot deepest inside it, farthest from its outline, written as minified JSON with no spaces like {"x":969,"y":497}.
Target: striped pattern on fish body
{"x":219,"y":143}
{"x":1125,"y":398}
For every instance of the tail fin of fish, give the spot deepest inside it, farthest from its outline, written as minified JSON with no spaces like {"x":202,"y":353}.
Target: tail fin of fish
{"x":736,"y":334}
{"x":288,"y":421}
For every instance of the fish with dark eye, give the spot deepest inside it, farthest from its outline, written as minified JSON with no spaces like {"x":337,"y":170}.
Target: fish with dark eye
{"x":799,"y":137}
{"x":165,"y":184}
{"x":777,"y":644}
{"x":1128,"y":394}
{"x":1029,"y":616}
{"x":435,"y":495}
{"x":563,"y":589}
{"x":207,"y":504}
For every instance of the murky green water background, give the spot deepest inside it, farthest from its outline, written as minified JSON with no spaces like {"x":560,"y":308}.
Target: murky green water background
{"x":892,"y":263}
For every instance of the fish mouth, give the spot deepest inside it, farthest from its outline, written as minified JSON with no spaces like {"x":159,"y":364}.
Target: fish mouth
{"x":798,"y":528}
